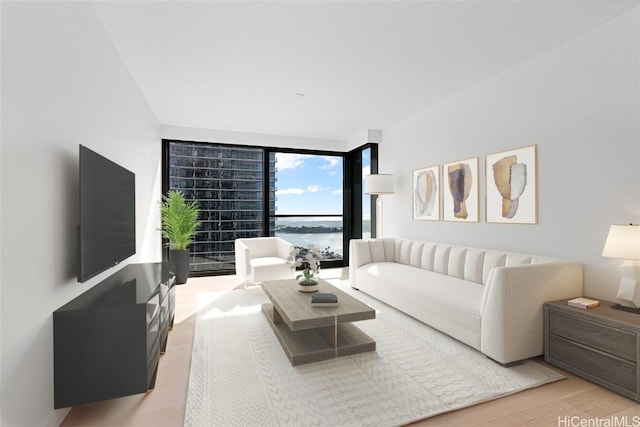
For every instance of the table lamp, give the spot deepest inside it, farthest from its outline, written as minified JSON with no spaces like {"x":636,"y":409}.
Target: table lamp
{"x":378,"y":185}
{"x":623,"y":242}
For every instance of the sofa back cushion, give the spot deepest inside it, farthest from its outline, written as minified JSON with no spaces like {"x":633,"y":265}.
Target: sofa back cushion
{"x":517,"y":259}
{"x":403,"y":252}
{"x":468,"y":263}
{"x":473,"y":265}
{"x":389,"y":249}
{"x":428,"y":256}
{"x":415,"y":259}
{"x":376,"y":251}
{"x":360,"y":252}
{"x":457,"y":257}
{"x":441,"y":259}
{"x":409,"y":252}
{"x":261,"y":247}
{"x":492,"y":259}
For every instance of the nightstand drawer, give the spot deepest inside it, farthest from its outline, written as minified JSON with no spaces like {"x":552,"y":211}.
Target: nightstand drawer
{"x":609,"y":368}
{"x":596,"y":335}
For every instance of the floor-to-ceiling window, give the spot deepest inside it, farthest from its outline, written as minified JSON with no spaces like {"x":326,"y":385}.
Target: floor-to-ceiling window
{"x":302,"y":196}
{"x":365,"y":155}
{"x":227,"y":182}
{"x":309,"y":201}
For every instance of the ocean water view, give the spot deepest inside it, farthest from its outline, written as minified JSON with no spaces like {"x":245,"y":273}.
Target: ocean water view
{"x":324,"y":232}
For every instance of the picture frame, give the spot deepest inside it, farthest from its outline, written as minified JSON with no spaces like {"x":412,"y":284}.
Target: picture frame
{"x":426,"y":194}
{"x":511,"y":187}
{"x":460,"y":194}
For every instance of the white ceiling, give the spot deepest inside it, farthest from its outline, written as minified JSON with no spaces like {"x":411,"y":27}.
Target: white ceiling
{"x":360,"y":65}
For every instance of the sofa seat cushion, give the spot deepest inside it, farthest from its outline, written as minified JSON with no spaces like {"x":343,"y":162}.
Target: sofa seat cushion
{"x":446,"y":303}
{"x":267,"y":261}
{"x":270,"y":268}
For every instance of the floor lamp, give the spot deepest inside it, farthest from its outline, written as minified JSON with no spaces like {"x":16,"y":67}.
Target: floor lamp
{"x":378,"y":185}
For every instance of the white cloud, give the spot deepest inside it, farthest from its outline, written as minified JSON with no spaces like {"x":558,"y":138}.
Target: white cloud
{"x":366,"y":171}
{"x":314,"y":188}
{"x":336,"y":192}
{"x":287,"y":191}
{"x":286,"y":161}
{"x":332,"y":162}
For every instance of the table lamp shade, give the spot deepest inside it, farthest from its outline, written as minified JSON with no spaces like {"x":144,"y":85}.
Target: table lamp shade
{"x":378,"y":184}
{"x":623,"y":242}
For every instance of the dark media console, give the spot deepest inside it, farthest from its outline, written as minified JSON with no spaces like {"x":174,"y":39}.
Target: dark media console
{"x":108,"y":341}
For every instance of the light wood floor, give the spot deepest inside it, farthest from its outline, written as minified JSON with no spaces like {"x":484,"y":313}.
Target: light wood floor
{"x":563,"y":403}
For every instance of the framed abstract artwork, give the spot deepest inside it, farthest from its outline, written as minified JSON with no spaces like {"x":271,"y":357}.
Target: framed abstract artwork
{"x":511,"y":186}
{"x":426,"y":193}
{"x":460,"y":194}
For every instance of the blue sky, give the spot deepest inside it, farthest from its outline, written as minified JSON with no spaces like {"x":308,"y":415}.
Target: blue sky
{"x":311,"y":184}
{"x":308,"y":184}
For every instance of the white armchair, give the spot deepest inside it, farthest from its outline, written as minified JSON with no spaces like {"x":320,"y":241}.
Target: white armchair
{"x":262,"y":258}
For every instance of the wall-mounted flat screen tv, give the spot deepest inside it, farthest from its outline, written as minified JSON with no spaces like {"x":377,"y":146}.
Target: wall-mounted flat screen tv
{"x":107,"y":231}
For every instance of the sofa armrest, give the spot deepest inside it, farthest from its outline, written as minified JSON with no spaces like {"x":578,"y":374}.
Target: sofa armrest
{"x":243,"y":260}
{"x":511,"y":310}
{"x":353,"y":248}
{"x":284,"y":248}
{"x":367,"y":251}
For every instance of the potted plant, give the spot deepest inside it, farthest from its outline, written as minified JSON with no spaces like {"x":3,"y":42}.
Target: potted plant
{"x":179,"y":225}
{"x":310,"y":261}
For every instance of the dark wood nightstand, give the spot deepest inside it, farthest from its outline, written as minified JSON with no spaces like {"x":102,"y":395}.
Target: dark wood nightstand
{"x":600,"y":344}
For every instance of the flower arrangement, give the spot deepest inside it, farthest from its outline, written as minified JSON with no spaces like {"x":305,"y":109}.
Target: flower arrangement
{"x":310,"y":261}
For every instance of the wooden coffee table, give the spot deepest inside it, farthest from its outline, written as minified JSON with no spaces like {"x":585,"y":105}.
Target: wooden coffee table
{"x":311,"y":334}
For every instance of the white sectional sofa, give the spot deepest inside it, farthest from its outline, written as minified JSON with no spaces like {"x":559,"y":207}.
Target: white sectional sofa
{"x":488,"y":299}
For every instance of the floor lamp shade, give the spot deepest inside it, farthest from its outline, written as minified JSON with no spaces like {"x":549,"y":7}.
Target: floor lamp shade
{"x":623,"y":242}
{"x":378,"y":184}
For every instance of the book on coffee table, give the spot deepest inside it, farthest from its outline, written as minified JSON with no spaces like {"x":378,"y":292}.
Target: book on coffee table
{"x":324,"y":299}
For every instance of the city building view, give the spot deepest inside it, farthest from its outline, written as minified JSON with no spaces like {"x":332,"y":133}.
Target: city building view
{"x":227,"y":184}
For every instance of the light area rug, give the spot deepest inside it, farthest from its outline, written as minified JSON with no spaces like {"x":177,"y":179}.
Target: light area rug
{"x":240,"y":376}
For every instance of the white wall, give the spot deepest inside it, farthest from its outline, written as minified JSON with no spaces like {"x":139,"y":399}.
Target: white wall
{"x":579,"y":102}
{"x":63,"y":84}
{"x":365,"y":136}
{"x":1,"y":382}
{"x":247,"y":138}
